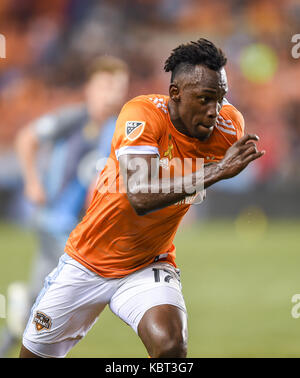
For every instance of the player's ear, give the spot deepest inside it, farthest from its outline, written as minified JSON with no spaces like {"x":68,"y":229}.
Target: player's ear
{"x":174,"y":92}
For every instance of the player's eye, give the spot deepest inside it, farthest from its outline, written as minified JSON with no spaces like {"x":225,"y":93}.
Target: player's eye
{"x":203,"y":99}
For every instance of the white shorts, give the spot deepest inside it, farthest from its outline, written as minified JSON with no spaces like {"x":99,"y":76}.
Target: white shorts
{"x":73,"y":297}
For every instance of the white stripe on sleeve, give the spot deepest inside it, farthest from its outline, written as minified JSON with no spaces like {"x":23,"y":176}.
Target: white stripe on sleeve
{"x":135,"y":150}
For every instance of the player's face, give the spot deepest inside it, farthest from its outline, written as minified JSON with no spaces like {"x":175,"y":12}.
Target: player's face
{"x":106,"y":93}
{"x":200,"y":100}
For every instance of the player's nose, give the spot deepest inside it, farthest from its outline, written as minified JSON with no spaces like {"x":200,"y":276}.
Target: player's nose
{"x":212,"y":111}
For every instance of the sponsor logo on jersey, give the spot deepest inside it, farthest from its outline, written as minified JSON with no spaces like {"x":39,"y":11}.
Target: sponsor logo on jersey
{"x":134,"y":129}
{"x":169,"y":152}
{"x":42,"y":321}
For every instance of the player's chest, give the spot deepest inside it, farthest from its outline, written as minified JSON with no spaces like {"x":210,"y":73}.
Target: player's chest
{"x":173,"y":151}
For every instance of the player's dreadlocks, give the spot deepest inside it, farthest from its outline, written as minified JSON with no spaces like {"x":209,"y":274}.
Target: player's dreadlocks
{"x":200,"y":52}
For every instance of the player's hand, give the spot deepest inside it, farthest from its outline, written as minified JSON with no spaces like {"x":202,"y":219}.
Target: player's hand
{"x":35,"y":193}
{"x":239,"y":155}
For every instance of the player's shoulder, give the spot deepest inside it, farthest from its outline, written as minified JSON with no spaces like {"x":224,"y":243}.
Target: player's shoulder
{"x":71,"y":111}
{"x":230,"y":112}
{"x":152,"y":110}
{"x":154,"y":102}
{"x":66,"y":112}
{"x":230,"y":119}
{"x":61,"y":122}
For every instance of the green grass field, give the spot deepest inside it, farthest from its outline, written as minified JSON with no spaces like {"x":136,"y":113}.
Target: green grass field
{"x":238,"y":280}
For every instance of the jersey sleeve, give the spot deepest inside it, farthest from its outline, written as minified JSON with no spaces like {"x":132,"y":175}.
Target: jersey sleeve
{"x":236,"y":118}
{"x":138,"y":129}
{"x":53,"y":126}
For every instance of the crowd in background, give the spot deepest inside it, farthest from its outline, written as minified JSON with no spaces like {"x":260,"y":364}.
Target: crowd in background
{"x":50,"y":43}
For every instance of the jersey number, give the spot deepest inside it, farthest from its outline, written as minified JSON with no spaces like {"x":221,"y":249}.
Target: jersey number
{"x":156,"y":271}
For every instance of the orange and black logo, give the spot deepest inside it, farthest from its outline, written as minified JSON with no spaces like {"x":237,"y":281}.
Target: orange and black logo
{"x":42,"y":321}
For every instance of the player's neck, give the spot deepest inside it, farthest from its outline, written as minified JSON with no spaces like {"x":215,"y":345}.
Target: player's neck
{"x":176,"y":120}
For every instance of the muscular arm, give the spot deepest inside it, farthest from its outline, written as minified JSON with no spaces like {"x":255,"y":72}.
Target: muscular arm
{"x":147,"y":193}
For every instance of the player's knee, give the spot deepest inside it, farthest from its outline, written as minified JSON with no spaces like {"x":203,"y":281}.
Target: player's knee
{"x":170,"y":345}
{"x":163,"y":330}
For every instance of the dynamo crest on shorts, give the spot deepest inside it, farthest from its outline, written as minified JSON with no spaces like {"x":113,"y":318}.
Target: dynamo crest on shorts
{"x":134,"y":129}
{"x":42,"y":321}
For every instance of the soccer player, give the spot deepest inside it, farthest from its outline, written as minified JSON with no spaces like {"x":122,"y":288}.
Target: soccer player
{"x":72,"y":139}
{"x":122,"y":253}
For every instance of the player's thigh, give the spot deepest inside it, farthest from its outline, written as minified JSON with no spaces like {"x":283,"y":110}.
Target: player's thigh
{"x":65,"y":309}
{"x":152,"y":293}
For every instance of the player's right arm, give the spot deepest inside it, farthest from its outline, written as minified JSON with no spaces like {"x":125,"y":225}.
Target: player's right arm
{"x":236,"y":159}
{"x":147,"y":193}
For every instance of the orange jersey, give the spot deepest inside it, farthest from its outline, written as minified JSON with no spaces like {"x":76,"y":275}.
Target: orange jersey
{"x":112,"y":240}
